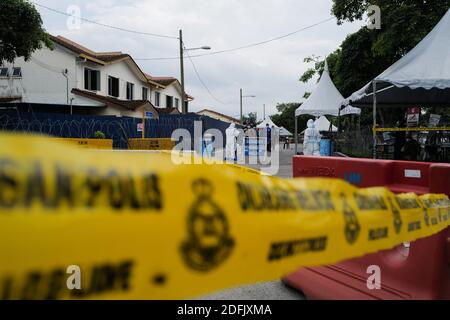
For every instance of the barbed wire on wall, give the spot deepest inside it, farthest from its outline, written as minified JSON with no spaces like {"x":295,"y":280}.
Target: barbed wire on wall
{"x":119,"y":129}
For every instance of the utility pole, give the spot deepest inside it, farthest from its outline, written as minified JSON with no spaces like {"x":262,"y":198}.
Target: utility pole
{"x":374,"y":111}
{"x":264,"y":112}
{"x":184,"y":102}
{"x":242,"y":116}
{"x":242,"y":97}
{"x":183,"y":95}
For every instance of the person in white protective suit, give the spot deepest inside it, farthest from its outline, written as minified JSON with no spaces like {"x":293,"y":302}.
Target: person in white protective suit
{"x":230,"y":148}
{"x":311,"y":143}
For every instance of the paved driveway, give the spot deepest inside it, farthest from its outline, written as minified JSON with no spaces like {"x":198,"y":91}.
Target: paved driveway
{"x":274,"y":290}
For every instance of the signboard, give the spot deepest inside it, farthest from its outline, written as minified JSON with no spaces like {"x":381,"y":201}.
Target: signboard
{"x":106,"y":144}
{"x":151,"y":144}
{"x":413,"y":110}
{"x":140,"y":127}
{"x":413,"y":116}
{"x":412,"y":119}
{"x":413,"y":174}
{"x":434,"y":120}
{"x":148,"y":115}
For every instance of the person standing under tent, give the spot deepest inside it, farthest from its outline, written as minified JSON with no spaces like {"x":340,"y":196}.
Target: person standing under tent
{"x":269,"y":137}
{"x":286,"y":142}
{"x":400,"y":140}
{"x":311,"y":143}
{"x":231,"y":144}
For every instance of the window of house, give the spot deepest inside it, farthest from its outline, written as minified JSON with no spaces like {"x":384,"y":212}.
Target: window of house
{"x":4,"y":72}
{"x":169,"y":102}
{"x":177,"y":103}
{"x":17,"y":72}
{"x":130,"y":91}
{"x":157,"y":98}
{"x":144,"y":93}
{"x":91,"y":79}
{"x":113,"y":86}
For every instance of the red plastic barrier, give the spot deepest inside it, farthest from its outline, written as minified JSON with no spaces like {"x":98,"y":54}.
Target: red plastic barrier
{"x":420,"y":272}
{"x":398,"y":176}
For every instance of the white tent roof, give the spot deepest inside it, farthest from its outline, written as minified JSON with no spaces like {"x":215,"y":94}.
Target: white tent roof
{"x":284,"y":132}
{"x":322,"y":124}
{"x":421,"y":77}
{"x":325,"y":100}
{"x":269,"y":121}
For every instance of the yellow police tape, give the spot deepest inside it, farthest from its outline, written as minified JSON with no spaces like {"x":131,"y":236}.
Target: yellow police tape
{"x":412,"y":129}
{"x":140,"y":227}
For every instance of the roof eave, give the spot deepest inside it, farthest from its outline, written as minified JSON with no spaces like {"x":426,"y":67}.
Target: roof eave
{"x":84,"y":56}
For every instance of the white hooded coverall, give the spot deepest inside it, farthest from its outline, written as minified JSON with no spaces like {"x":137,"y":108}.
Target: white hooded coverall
{"x":230,"y":148}
{"x":311,"y":143}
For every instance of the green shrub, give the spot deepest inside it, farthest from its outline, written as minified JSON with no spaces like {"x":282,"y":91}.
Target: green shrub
{"x":99,"y":135}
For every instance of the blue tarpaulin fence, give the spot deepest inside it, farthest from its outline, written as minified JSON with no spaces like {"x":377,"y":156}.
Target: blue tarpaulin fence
{"x":119,"y":129}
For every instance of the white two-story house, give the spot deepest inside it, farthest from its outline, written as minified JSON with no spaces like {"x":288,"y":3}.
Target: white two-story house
{"x":75,"y":79}
{"x":168,"y":94}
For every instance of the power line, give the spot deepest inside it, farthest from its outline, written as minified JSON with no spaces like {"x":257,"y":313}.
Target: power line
{"x":46,"y":66}
{"x":105,"y":25}
{"x":245,"y":46}
{"x":174,"y":37}
{"x":201,"y":80}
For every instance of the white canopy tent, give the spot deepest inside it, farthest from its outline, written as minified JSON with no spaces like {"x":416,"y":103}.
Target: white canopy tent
{"x":284,"y":132}
{"x":421,"y":77}
{"x":325,"y":100}
{"x":322,"y":124}
{"x":266,"y":121}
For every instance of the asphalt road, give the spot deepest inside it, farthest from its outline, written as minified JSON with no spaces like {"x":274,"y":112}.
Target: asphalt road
{"x":274,"y":290}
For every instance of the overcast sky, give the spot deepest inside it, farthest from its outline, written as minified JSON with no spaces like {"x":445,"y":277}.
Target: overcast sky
{"x":269,"y":71}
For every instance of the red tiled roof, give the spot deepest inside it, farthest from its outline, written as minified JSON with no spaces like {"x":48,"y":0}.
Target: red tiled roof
{"x":127,"y":104}
{"x":220,"y":114}
{"x":165,"y":81}
{"x":10,"y":98}
{"x":106,"y":57}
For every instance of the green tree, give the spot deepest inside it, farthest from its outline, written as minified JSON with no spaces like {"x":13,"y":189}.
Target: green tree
{"x":366,"y":53}
{"x":306,"y":95}
{"x":250,"y":119}
{"x":99,"y":135}
{"x":286,"y":115}
{"x":404,"y":22}
{"x":21,"y":31}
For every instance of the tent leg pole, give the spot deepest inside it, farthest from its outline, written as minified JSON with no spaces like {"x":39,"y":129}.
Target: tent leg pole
{"x":339,"y":120}
{"x":296,"y":135}
{"x":338,"y":131}
{"x":374,"y":88}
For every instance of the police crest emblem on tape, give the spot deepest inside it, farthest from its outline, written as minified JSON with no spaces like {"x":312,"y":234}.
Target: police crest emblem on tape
{"x":352,"y":226}
{"x":209,"y":241}
{"x":397,"y":217}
